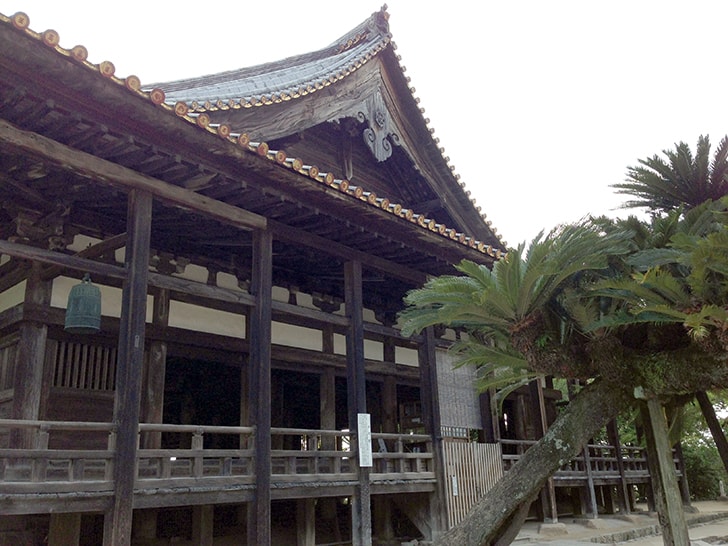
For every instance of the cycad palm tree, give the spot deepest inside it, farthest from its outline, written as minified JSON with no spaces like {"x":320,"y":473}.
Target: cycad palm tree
{"x":524,"y":317}
{"x":680,"y":180}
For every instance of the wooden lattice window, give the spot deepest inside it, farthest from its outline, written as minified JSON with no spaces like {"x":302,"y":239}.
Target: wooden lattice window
{"x":84,"y":366}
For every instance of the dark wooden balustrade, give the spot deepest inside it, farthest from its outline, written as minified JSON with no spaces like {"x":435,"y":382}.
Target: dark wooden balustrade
{"x":207,"y":456}
{"x":598,"y":460}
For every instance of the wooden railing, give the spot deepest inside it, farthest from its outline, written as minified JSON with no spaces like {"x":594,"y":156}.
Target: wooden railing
{"x":209,"y":455}
{"x":43,"y":469}
{"x":600,"y":460}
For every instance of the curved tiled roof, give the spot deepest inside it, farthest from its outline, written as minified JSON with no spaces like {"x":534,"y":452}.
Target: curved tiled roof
{"x":282,"y":80}
{"x":106,"y":69}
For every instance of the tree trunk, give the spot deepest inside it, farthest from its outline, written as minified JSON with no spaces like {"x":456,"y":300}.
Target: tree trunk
{"x":714,"y":425}
{"x":489,"y":520}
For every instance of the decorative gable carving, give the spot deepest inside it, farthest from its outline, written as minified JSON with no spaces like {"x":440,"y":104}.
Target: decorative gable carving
{"x":379,"y":135}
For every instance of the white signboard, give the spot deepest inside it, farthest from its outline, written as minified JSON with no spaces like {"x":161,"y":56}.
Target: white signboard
{"x":365,"y":439}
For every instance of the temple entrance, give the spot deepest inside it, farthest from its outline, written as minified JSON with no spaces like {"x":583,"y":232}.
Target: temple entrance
{"x":201,"y":393}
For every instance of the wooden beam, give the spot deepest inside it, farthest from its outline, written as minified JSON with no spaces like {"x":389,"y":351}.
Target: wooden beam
{"x":332,"y":248}
{"x":100,"y":170}
{"x":59,"y":259}
{"x":78,"y":263}
{"x":118,"y":520}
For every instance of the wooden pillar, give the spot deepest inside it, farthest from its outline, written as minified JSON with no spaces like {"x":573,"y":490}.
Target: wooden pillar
{"x":716,"y":430}
{"x":156,"y":367}
{"x":683,"y":481}
{"x":384,"y":528}
{"x":361,"y":519}
{"x":118,"y":520}
{"x":306,"y":522}
{"x":65,"y":529}
{"x":31,"y":357}
{"x":327,"y":388}
{"x":145,"y":521}
{"x":624,"y":500}
{"x":202,"y":525}
{"x":489,"y":416}
{"x":145,"y":526}
{"x":389,"y":387}
{"x":259,"y":516}
{"x":430,"y":400}
{"x":327,"y":401}
{"x":662,"y":472}
{"x":538,"y":417}
{"x":593,"y":510}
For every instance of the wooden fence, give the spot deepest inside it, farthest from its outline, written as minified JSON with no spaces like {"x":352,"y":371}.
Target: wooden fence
{"x":471,"y":469}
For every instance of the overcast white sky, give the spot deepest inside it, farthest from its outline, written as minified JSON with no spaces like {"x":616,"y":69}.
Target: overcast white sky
{"x":540,"y":105}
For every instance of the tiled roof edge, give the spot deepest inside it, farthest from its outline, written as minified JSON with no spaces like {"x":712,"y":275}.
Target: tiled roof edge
{"x":106,"y":69}
{"x":446,"y":159}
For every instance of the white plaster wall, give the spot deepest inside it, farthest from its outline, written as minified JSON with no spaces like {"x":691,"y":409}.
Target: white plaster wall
{"x":12,"y":296}
{"x":201,"y":319}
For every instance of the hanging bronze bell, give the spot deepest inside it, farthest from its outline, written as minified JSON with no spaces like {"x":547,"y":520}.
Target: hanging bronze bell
{"x":83,"y":312}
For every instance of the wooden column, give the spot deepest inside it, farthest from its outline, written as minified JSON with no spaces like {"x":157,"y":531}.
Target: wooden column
{"x":489,"y":416}
{"x":306,"y":522}
{"x":593,"y":510}
{"x":327,"y":401}
{"x":327,"y":389}
{"x":31,"y":357}
{"x":624,"y":497}
{"x":153,"y":400}
{"x":538,"y":417}
{"x":683,"y":481}
{"x":65,"y":529}
{"x":156,"y":365}
{"x":202,"y":525}
{"x":118,"y":520}
{"x":389,"y":387}
{"x":706,"y":407}
{"x":259,"y":515}
{"x":664,"y":477}
{"x":361,"y":517}
{"x":430,"y":400}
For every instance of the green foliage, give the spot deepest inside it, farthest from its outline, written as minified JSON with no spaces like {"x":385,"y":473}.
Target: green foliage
{"x":679,"y":180}
{"x":490,"y":304}
{"x":704,"y":470}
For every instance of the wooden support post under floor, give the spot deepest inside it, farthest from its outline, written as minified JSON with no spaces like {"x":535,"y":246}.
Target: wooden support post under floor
{"x":306,"y":522}
{"x":65,"y":529}
{"x":202,"y":525}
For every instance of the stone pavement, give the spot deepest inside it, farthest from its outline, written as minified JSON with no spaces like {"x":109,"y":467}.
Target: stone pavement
{"x":708,"y":525}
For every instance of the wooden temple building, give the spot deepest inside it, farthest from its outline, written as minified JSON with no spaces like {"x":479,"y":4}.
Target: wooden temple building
{"x":251,"y":236}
